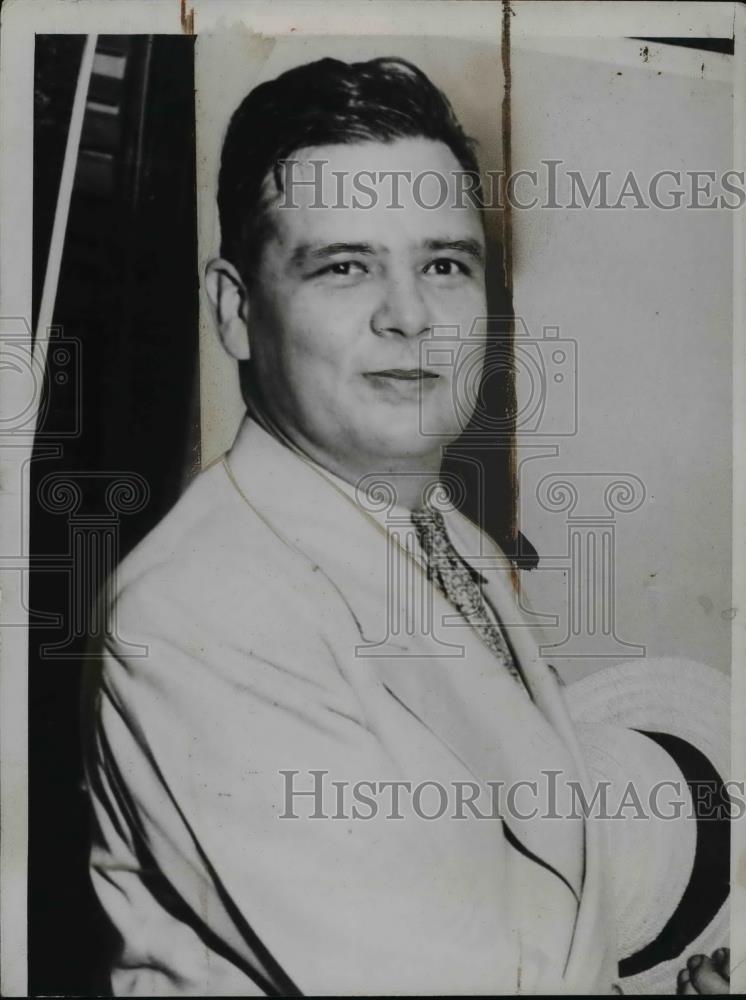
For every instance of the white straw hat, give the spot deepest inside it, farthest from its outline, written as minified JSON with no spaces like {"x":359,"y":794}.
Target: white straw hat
{"x":651,"y":861}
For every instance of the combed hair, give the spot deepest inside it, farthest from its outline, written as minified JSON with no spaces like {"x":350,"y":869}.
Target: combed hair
{"x":318,"y":104}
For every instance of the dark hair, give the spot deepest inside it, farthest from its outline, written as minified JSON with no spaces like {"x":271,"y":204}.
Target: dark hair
{"x":322,"y":103}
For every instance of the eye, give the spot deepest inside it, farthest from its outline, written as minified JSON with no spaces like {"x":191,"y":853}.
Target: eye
{"x":446,"y":267}
{"x":344,"y":268}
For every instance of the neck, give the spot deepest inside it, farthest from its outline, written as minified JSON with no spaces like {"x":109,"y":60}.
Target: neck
{"x":390,"y":479}
{"x":391,"y":487}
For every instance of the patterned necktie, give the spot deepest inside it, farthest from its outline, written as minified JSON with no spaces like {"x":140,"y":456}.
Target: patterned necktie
{"x":458,"y":582}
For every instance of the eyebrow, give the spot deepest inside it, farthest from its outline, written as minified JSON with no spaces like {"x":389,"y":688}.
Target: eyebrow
{"x":471,"y":247}
{"x":305,"y":252}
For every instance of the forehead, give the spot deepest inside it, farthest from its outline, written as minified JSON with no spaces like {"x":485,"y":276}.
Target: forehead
{"x":389,"y":193}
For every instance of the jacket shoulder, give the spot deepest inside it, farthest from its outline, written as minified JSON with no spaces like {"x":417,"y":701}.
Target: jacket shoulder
{"x":212,"y":597}
{"x":210,"y":555}
{"x":210,"y":530}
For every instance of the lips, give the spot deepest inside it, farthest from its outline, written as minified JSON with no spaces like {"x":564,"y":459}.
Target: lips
{"x":404,"y":374}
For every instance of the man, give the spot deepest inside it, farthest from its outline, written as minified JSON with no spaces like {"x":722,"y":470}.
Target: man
{"x":323,"y":626}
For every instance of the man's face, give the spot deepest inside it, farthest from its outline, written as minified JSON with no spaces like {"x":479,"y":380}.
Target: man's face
{"x":345,"y":297}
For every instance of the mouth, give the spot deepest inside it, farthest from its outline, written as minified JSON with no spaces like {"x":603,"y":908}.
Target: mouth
{"x":403,"y":374}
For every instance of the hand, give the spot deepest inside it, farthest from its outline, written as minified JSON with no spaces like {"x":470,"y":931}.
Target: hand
{"x":705,"y":975}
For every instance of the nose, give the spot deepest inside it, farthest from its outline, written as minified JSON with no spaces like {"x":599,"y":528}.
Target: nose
{"x":402,"y":310}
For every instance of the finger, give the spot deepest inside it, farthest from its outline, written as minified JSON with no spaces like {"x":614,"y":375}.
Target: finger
{"x":721,"y":961}
{"x":682,"y":981}
{"x":705,"y":978}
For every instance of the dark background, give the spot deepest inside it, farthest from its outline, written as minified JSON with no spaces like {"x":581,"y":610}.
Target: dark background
{"x":128,"y":294}
{"x":128,"y":304}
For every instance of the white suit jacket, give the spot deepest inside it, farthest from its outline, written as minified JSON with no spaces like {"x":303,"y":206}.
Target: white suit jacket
{"x":262,"y":628}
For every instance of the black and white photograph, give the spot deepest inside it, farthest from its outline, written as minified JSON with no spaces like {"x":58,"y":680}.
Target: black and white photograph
{"x":371,"y":498}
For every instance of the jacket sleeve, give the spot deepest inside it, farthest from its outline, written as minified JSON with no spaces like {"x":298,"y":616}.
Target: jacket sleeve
{"x":164,"y":949}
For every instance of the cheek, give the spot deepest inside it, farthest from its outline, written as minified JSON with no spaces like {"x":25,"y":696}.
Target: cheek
{"x":464,"y":308}
{"x":308,"y":363}
{"x":473,"y":305}
{"x":467,"y":378}
{"x":324,"y":331}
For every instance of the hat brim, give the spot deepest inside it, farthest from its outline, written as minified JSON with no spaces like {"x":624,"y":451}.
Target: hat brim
{"x":670,"y":696}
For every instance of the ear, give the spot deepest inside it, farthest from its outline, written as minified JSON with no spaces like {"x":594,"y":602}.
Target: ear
{"x":230,"y":307}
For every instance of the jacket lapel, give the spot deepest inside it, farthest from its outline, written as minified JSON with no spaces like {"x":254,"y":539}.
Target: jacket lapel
{"x":413,"y":644}
{"x":590,"y":952}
